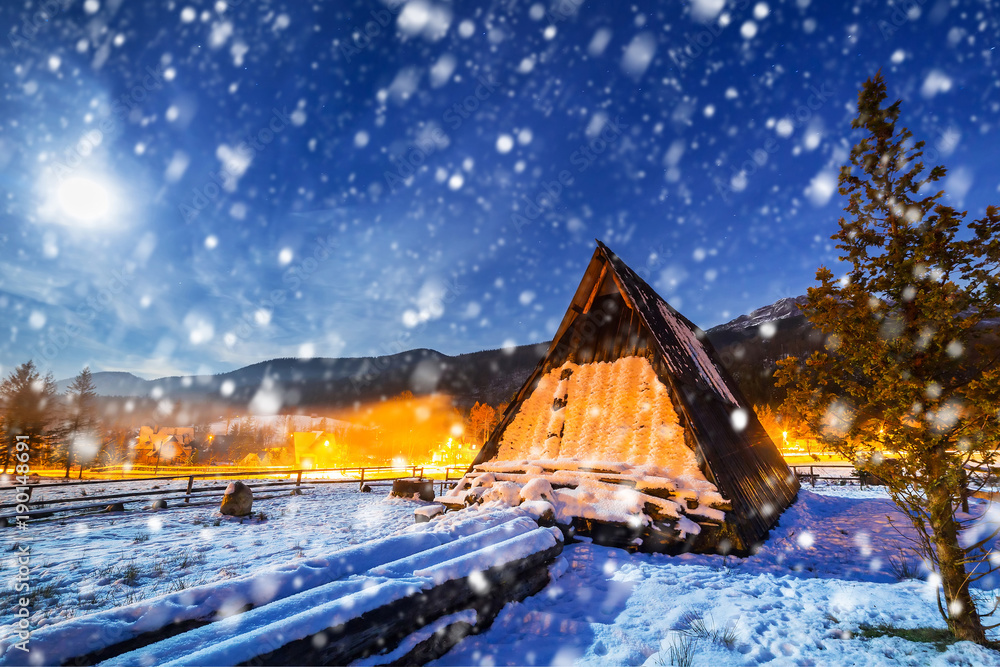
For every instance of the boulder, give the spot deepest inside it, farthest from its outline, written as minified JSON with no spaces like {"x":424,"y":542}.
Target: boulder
{"x":237,"y":500}
{"x":158,"y":505}
{"x":365,"y":488}
{"x":115,"y":507}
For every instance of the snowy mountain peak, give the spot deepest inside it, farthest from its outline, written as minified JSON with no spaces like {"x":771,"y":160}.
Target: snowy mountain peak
{"x":779,"y":310}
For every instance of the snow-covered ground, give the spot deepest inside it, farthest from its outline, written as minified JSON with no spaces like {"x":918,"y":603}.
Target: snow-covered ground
{"x":85,"y":564}
{"x":827,"y":568}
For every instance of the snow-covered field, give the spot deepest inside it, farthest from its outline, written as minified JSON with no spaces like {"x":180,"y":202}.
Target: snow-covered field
{"x":86,"y":564}
{"x":825,"y":570}
{"x":828,"y":568}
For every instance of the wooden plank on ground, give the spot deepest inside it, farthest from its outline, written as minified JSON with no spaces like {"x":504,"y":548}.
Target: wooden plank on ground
{"x":383,"y":628}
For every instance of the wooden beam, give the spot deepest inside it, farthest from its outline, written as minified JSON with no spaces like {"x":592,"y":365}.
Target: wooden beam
{"x":386,"y":626}
{"x":597,"y":287}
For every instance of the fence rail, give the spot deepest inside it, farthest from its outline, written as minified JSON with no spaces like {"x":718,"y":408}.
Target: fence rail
{"x":812,"y":476}
{"x":37,"y":507}
{"x":350,"y":474}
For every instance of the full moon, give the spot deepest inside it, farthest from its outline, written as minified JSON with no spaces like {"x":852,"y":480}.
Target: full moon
{"x":84,"y":199}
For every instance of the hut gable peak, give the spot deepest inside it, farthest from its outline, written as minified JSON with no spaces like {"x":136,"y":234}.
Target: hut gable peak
{"x":614,"y":317}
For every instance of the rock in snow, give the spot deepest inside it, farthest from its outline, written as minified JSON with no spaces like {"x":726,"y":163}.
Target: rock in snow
{"x":237,"y":500}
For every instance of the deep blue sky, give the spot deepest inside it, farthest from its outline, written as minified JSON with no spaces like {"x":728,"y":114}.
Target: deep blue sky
{"x":310,"y":248}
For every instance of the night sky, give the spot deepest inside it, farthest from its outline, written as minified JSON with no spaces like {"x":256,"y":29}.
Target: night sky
{"x":192,"y":186}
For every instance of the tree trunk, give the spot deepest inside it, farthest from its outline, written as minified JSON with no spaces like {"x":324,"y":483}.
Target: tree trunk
{"x":962,"y":615}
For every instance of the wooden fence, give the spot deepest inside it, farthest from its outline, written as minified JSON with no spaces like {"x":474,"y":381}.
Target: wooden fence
{"x":812,"y":476}
{"x":26,"y":501}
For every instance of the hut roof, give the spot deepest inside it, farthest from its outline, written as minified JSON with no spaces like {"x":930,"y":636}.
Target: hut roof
{"x":735,"y":451}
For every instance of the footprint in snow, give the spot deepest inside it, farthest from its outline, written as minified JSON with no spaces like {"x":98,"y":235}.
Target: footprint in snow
{"x":764,"y":656}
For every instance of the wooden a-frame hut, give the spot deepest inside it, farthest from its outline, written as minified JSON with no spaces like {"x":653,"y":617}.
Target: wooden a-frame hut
{"x":736,"y":483}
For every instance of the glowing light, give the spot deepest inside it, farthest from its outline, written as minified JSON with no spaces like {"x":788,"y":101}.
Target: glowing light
{"x":84,"y":200}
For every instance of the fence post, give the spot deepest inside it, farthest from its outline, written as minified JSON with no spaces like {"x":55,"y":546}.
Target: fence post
{"x":298,"y":480}
{"x":812,"y":477}
{"x":361,"y":485}
{"x":187,"y":498}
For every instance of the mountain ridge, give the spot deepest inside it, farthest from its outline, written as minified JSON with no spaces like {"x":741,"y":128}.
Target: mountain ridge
{"x":490,"y":376}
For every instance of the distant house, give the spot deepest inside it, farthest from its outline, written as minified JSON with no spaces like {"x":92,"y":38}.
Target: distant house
{"x":319,"y":449}
{"x":453,"y":453}
{"x":251,"y":460}
{"x":165,"y":445}
{"x":340,"y":445}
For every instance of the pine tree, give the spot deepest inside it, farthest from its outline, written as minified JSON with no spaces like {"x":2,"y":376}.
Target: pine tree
{"x":907,"y":383}
{"x":82,"y":441}
{"x":29,"y":405}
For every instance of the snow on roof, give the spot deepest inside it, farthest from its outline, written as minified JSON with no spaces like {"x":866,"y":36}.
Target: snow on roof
{"x":681,"y":342}
{"x":699,"y":355}
{"x":290,"y":423}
